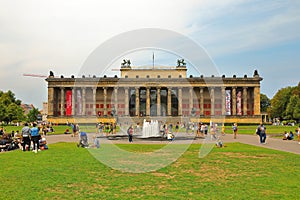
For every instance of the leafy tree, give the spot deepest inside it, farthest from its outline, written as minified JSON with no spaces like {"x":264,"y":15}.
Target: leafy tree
{"x":286,"y":103}
{"x":293,"y":108}
{"x":33,"y":115}
{"x":265,"y":102}
{"x":279,"y":102}
{"x":296,"y":90}
{"x":14,"y":113}
{"x":10,"y":109}
{"x":296,"y":113}
{"x":2,"y":111}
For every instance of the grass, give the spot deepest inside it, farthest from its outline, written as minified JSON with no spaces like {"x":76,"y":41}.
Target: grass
{"x":237,"y":171}
{"x":60,"y":129}
{"x":273,"y":131}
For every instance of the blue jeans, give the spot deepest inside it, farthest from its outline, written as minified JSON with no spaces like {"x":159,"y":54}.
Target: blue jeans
{"x":262,"y":137}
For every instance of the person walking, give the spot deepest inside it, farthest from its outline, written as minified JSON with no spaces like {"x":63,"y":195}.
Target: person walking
{"x":25,"y":135}
{"x":213,"y":131}
{"x":130,"y":133}
{"x":261,"y":131}
{"x":235,"y":130}
{"x":177,"y":127}
{"x":223,"y":129}
{"x":35,"y":137}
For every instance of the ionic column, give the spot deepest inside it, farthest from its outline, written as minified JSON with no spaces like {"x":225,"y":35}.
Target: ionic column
{"x":62,"y":101}
{"x":126,"y":102}
{"x":191,"y":100}
{"x":116,"y":100}
{"x":137,"y":101}
{"x":180,"y":101}
{"x":158,"y":102}
{"x":212,"y":100}
{"x":147,"y":101}
{"x":245,"y":100}
{"x":233,"y":100}
{"x":105,"y":101}
{"x":94,"y":100}
{"x":50,"y":101}
{"x":223,"y":102}
{"x":73,"y":101}
{"x":256,"y":101}
{"x":83,"y":101}
{"x":169,"y":102}
{"x":201,"y":102}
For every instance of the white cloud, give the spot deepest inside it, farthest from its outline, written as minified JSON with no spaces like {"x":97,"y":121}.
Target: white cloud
{"x":242,"y":26}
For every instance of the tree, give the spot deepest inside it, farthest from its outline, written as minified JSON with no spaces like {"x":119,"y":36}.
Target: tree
{"x":10,"y":109}
{"x":14,"y":113}
{"x":296,"y":113}
{"x":33,"y":115}
{"x":286,"y":103}
{"x":293,"y":108}
{"x":2,"y":111}
{"x":279,"y":102}
{"x":296,"y":90}
{"x":265,"y":102}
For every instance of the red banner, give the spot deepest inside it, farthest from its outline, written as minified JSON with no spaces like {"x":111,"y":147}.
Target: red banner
{"x":69,"y":102}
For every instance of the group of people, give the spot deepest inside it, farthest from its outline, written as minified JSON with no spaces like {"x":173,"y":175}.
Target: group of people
{"x":27,"y":139}
{"x":107,"y":128}
{"x":291,"y":136}
{"x":288,"y":136}
{"x":31,"y":137}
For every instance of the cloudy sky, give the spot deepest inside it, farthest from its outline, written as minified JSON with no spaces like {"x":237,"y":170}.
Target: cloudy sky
{"x":239,"y":36}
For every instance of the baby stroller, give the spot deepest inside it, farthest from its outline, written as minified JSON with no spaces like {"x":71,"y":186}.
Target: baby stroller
{"x":83,"y":141}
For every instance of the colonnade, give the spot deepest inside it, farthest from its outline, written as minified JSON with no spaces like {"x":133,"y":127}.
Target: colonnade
{"x":238,"y":96}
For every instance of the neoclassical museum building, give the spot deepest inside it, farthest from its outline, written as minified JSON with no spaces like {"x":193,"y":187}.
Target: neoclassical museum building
{"x":162,"y":93}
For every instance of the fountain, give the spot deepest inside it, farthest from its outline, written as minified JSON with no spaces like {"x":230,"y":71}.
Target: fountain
{"x":150,"y":129}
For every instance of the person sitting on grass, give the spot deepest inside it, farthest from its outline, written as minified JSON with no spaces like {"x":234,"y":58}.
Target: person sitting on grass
{"x":290,"y":136}
{"x":96,"y":142}
{"x":43,"y":143}
{"x":285,"y":135}
{"x":67,"y":131}
{"x":219,"y":142}
{"x":170,"y":136}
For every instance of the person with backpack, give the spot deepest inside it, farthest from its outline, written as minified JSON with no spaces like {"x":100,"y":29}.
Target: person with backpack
{"x":261,"y":131}
{"x":26,"y":136}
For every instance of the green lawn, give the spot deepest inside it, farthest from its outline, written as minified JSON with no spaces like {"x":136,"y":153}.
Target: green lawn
{"x":60,"y":129}
{"x":271,"y":130}
{"x":237,"y":171}
{"x":247,"y":129}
